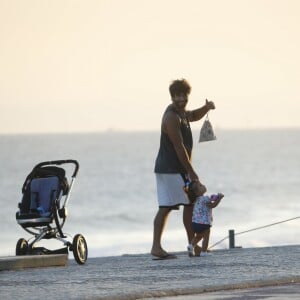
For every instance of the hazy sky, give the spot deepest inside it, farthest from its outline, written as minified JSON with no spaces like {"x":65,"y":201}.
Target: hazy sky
{"x":92,"y":65}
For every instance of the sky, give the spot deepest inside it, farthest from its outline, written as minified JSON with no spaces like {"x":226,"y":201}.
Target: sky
{"x":97,"y":65}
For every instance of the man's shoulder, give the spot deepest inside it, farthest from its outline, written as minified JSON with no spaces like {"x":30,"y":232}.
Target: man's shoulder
{"x":170,"y":115}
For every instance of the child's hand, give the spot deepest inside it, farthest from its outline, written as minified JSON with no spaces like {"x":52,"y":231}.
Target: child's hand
{"x":220,"y":196}
{"x":217,"y":197}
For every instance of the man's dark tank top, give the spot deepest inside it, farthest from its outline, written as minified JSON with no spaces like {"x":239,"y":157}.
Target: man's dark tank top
{"x":167,"y":160}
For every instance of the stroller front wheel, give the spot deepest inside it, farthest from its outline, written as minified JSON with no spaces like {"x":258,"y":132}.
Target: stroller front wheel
{"x":22,"y":247}
{"x":79,"y":248}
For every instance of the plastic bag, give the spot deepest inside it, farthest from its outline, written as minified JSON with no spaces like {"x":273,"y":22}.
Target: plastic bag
{"x":207,"y":132}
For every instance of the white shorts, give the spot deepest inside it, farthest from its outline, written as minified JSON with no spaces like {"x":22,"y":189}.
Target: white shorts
{"x":170,"y":191}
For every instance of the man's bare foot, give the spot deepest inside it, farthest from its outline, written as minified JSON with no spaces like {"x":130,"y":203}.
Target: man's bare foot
{"x":159,"y":252}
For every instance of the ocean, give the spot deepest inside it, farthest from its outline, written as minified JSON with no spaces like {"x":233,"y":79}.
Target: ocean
{"x":113,"y":201}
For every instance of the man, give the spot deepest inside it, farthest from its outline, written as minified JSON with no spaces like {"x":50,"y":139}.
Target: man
{"x":173,"y":163}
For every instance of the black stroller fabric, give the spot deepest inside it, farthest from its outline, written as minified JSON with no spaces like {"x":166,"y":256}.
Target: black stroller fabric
{"x":41,"y":187}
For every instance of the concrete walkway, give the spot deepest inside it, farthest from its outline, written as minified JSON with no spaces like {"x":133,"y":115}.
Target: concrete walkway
{"x":32,"y":261}
{"x":251,"y":272}
{"x":286,"y":292}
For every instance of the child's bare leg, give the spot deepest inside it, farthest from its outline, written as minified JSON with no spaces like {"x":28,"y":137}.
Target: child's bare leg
{"x":196,"y":239}
{"x":193,"y":247}
{"x":197,"y":250}
{"x":194,"y":243}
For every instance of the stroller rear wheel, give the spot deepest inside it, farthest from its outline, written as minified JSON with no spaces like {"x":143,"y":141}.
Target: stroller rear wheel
{"x":22,"y":247}
{"x":79,"y":248}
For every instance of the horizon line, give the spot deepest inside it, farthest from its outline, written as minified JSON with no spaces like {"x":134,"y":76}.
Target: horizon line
{"x":120,"y":130}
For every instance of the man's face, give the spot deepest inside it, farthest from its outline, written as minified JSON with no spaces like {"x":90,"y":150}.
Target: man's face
{"x":180,"y":101}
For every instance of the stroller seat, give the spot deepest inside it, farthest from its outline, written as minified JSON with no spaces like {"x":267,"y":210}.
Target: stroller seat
{"x":38,"y":202}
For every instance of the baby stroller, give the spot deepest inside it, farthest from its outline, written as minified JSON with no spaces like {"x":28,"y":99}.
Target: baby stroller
{"x":43,"y":212}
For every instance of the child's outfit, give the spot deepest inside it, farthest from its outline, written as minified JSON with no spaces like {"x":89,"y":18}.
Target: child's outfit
{"x":202,"y":216}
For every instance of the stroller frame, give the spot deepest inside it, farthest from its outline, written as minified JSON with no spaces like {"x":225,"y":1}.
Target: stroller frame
{"x":43,"y":191}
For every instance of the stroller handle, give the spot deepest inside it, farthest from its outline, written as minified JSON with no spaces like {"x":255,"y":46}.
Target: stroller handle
{"x":61,"y":162}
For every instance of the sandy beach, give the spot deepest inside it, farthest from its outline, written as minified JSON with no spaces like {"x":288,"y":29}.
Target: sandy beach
{"x":140,"y":277}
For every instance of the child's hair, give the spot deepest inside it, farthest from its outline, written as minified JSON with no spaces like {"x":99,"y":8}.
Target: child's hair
{"x":191,"y":192}
{"x":179,"y":87}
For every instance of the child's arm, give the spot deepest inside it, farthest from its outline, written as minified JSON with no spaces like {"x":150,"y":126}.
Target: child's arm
{"x":214,"y":203}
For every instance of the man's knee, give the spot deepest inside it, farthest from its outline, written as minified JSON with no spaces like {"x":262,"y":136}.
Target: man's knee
{"x":164,"y":210}
{"x":162,"y":213}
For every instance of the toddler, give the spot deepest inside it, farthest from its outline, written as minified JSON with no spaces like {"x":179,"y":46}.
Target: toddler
{"x":202,"y":213}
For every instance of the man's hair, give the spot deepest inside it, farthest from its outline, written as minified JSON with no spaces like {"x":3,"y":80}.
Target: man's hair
{"x":179,"y":87}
